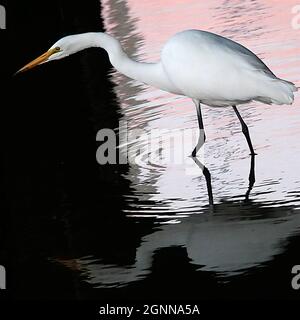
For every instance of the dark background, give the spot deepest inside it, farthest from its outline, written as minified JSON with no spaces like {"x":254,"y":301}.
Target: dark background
{"x":56,"y":200}
{"x":49,"y":120}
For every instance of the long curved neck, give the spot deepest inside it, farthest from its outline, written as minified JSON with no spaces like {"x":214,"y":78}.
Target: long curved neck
{"x":149,"y":73}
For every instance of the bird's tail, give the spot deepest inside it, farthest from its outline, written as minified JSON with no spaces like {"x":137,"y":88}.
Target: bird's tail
{"x":278,"y":91}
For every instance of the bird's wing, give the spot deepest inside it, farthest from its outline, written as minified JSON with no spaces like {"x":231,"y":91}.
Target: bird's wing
{"x":206,"y":66}
{"x":238,"y":50}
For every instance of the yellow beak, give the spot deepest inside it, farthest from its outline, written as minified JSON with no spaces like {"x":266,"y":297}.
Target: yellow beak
{"x":44,"y":57}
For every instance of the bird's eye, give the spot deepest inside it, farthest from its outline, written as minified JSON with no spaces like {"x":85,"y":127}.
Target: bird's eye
{"x":57,"y":49}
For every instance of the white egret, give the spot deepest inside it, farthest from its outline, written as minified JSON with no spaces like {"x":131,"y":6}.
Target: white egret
{"x":206,"y":67}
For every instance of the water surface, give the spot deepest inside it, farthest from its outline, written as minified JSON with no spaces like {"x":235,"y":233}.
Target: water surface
{"x":247,"y":230}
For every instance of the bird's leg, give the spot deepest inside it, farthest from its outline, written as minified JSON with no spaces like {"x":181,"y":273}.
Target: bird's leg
{"x":202,"y":136}
{"x":245,"y":130}
{"x":251,"y":177}
{"x":207,"y":176}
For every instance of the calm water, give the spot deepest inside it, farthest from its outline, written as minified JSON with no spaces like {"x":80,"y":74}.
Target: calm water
{"x":248,"y":228}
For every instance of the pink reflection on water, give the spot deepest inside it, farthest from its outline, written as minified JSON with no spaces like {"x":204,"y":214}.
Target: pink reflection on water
{"x":159,"y":20}
{"x":265,"y":28}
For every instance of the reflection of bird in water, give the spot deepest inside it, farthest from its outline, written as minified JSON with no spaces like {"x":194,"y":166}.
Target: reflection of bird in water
{"x":208,"y":68}
{"x":251,"y":177}
{"x":207,"y":176}
{"x":235,"y":240}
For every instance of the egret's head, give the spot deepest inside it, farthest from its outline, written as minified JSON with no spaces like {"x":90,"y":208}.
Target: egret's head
{"x":61,"y":49}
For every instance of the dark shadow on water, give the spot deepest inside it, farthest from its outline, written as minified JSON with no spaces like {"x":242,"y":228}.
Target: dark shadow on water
{"x":56,"y":195}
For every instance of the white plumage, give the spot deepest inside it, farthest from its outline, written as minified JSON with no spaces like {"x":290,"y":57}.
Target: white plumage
{"x":220,"y":72}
